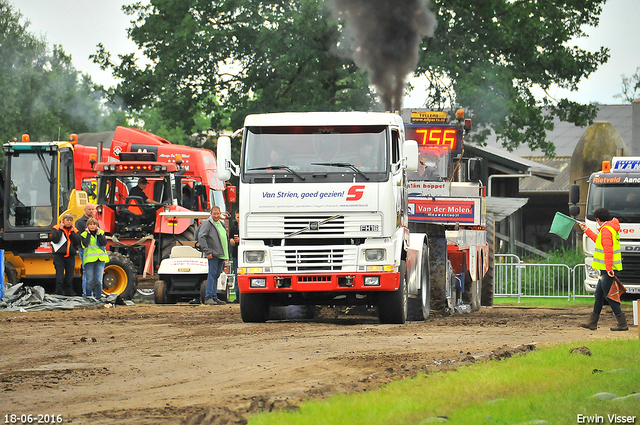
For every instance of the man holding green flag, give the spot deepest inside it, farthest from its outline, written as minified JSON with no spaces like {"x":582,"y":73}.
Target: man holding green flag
{"x":608,"y":259}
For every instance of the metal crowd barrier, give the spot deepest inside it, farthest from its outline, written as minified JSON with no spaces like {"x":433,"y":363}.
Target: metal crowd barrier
{"x":513,"y":278}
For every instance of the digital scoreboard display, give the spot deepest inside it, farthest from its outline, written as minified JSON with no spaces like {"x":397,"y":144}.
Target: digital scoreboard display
{"x":434,"y":135}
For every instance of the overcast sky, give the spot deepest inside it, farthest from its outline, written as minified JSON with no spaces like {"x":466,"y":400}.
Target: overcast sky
{"x":79,"y":25}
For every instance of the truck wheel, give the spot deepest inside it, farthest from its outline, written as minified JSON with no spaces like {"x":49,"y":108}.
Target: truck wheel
{"x":420,"y":308}
{"x":475,"y":295}
{"x":438,"y":276}
{"x":161,"y":293}
{"x":254,"y":308}
{"x":169,"y":240}
{"x":393,"y":306}
{"x":487,"y":280}
{"x":119,"y":276}
{"x":10,"y":273}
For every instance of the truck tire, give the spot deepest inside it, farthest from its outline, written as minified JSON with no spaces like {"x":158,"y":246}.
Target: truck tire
{"x":473,"y":294}
{"x":254,"y":308}
{"x":440,"y":283}
{"x":488,"y":279}
{"x":10,"y":273}
{"x":420,"y":308}
{"x":169,"y":240}
{"x":161,"y":293}
{"x":393,"y":306}
{"x":119,"y":276}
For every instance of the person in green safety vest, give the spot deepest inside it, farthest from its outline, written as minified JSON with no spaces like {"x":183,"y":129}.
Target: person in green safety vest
{"x":607,"y":258}
{"x":95,"y":257}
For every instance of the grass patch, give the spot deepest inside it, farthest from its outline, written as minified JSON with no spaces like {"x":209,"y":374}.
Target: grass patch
{"x":550,"y":384}
{"x":543,"y":302}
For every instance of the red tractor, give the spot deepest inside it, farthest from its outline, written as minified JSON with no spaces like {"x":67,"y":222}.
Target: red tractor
{"x":138,"y":237}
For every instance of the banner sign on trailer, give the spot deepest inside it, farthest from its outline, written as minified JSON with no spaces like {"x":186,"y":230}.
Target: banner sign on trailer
{"x":462,"y":211}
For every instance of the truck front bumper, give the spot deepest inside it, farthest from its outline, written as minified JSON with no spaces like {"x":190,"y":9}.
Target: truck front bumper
{"x":318,"y":282}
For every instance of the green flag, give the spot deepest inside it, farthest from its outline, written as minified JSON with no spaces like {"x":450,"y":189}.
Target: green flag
{"x":562,"y":225}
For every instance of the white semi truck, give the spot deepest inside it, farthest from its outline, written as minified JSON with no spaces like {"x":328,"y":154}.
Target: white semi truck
{"x":324,"y":207}
{"x":617,"y":188}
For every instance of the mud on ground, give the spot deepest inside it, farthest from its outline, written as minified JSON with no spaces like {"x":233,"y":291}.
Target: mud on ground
{"x":183,"y":364}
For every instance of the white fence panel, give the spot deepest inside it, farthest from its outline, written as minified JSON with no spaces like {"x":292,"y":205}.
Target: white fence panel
{"x":513,"y":278}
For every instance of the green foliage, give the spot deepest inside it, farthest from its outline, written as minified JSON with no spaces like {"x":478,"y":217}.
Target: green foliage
{"x":551,"y":384}
{"x":568,"y":256}
{"x":42,"y":93}
{"x":544,"y":302}
{"x":234,"y":57}
{"x":630,"y":87}
{"x":488,"y":56}
{"x":229,"y":58}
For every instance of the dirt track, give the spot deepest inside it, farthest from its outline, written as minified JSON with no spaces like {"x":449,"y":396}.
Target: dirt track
{"x":149,"y":364}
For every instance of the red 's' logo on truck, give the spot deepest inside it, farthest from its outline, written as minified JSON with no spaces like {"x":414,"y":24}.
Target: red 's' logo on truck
{"x":355,"y":193}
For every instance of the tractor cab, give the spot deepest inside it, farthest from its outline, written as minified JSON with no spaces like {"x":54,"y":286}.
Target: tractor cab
{"x":131,"y":191}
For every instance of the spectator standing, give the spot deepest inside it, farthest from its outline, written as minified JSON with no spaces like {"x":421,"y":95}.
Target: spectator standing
{"x":95,"y":257}
{"x":234,"y":241}
{"x":608,"y":259}
{"x":65,"y":240}
{"x":213,"y":242}
{"x":81,"y":225}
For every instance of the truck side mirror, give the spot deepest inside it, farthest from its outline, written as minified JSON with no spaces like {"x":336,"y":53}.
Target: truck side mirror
{"x":223,"y":158}
{"x":574,"y":194}
{"x":475,"y":169}
{"x":574,"y":210}
{"x":410,"y":152}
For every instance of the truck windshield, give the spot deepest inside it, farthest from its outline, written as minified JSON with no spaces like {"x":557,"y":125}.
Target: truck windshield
{"x":622,"y":201}
{"x":30,"y":202}
{"x":311,"y":151}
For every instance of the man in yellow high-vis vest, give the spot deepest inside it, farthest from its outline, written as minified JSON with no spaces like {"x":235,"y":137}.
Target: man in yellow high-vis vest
{"x":608,"y":259}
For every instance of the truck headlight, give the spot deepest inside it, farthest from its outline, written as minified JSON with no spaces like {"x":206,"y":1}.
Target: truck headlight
{"x":259,"y":282}
{"x":254,"y":256}
{"x":374,"y":254}
{"x":593,"y":273}
{"x":371,"y":281}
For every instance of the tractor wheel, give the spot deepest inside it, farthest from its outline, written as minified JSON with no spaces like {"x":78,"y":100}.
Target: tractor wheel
{"x":169,"y":240}
{"x":393,"y":306}
{"x":161,"y":293}
{"x":119,"y":276}
{"x":10,"y":273}
{"x":488,"y":279}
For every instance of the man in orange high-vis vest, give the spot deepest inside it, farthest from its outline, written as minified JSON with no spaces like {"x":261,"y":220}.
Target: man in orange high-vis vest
{"x":608,"y":259}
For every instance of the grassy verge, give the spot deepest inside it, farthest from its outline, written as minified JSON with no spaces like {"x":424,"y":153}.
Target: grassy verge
{"x":542,"y":302}
{"x":551,"y":385}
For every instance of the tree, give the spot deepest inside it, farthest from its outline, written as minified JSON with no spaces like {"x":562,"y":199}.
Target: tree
{"x":42,"y":93}
{"x":489,"y":55}
{"x":630,"y":87}
{"x":234,"y":57}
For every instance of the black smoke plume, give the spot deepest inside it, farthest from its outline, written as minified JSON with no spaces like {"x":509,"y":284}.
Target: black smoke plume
{"x":386,"y":37}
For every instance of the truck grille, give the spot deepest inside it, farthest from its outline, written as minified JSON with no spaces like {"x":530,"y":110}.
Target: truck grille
{"x":355,"y":225}
{"x":313,"y":258}
{"x":630,"y":273}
